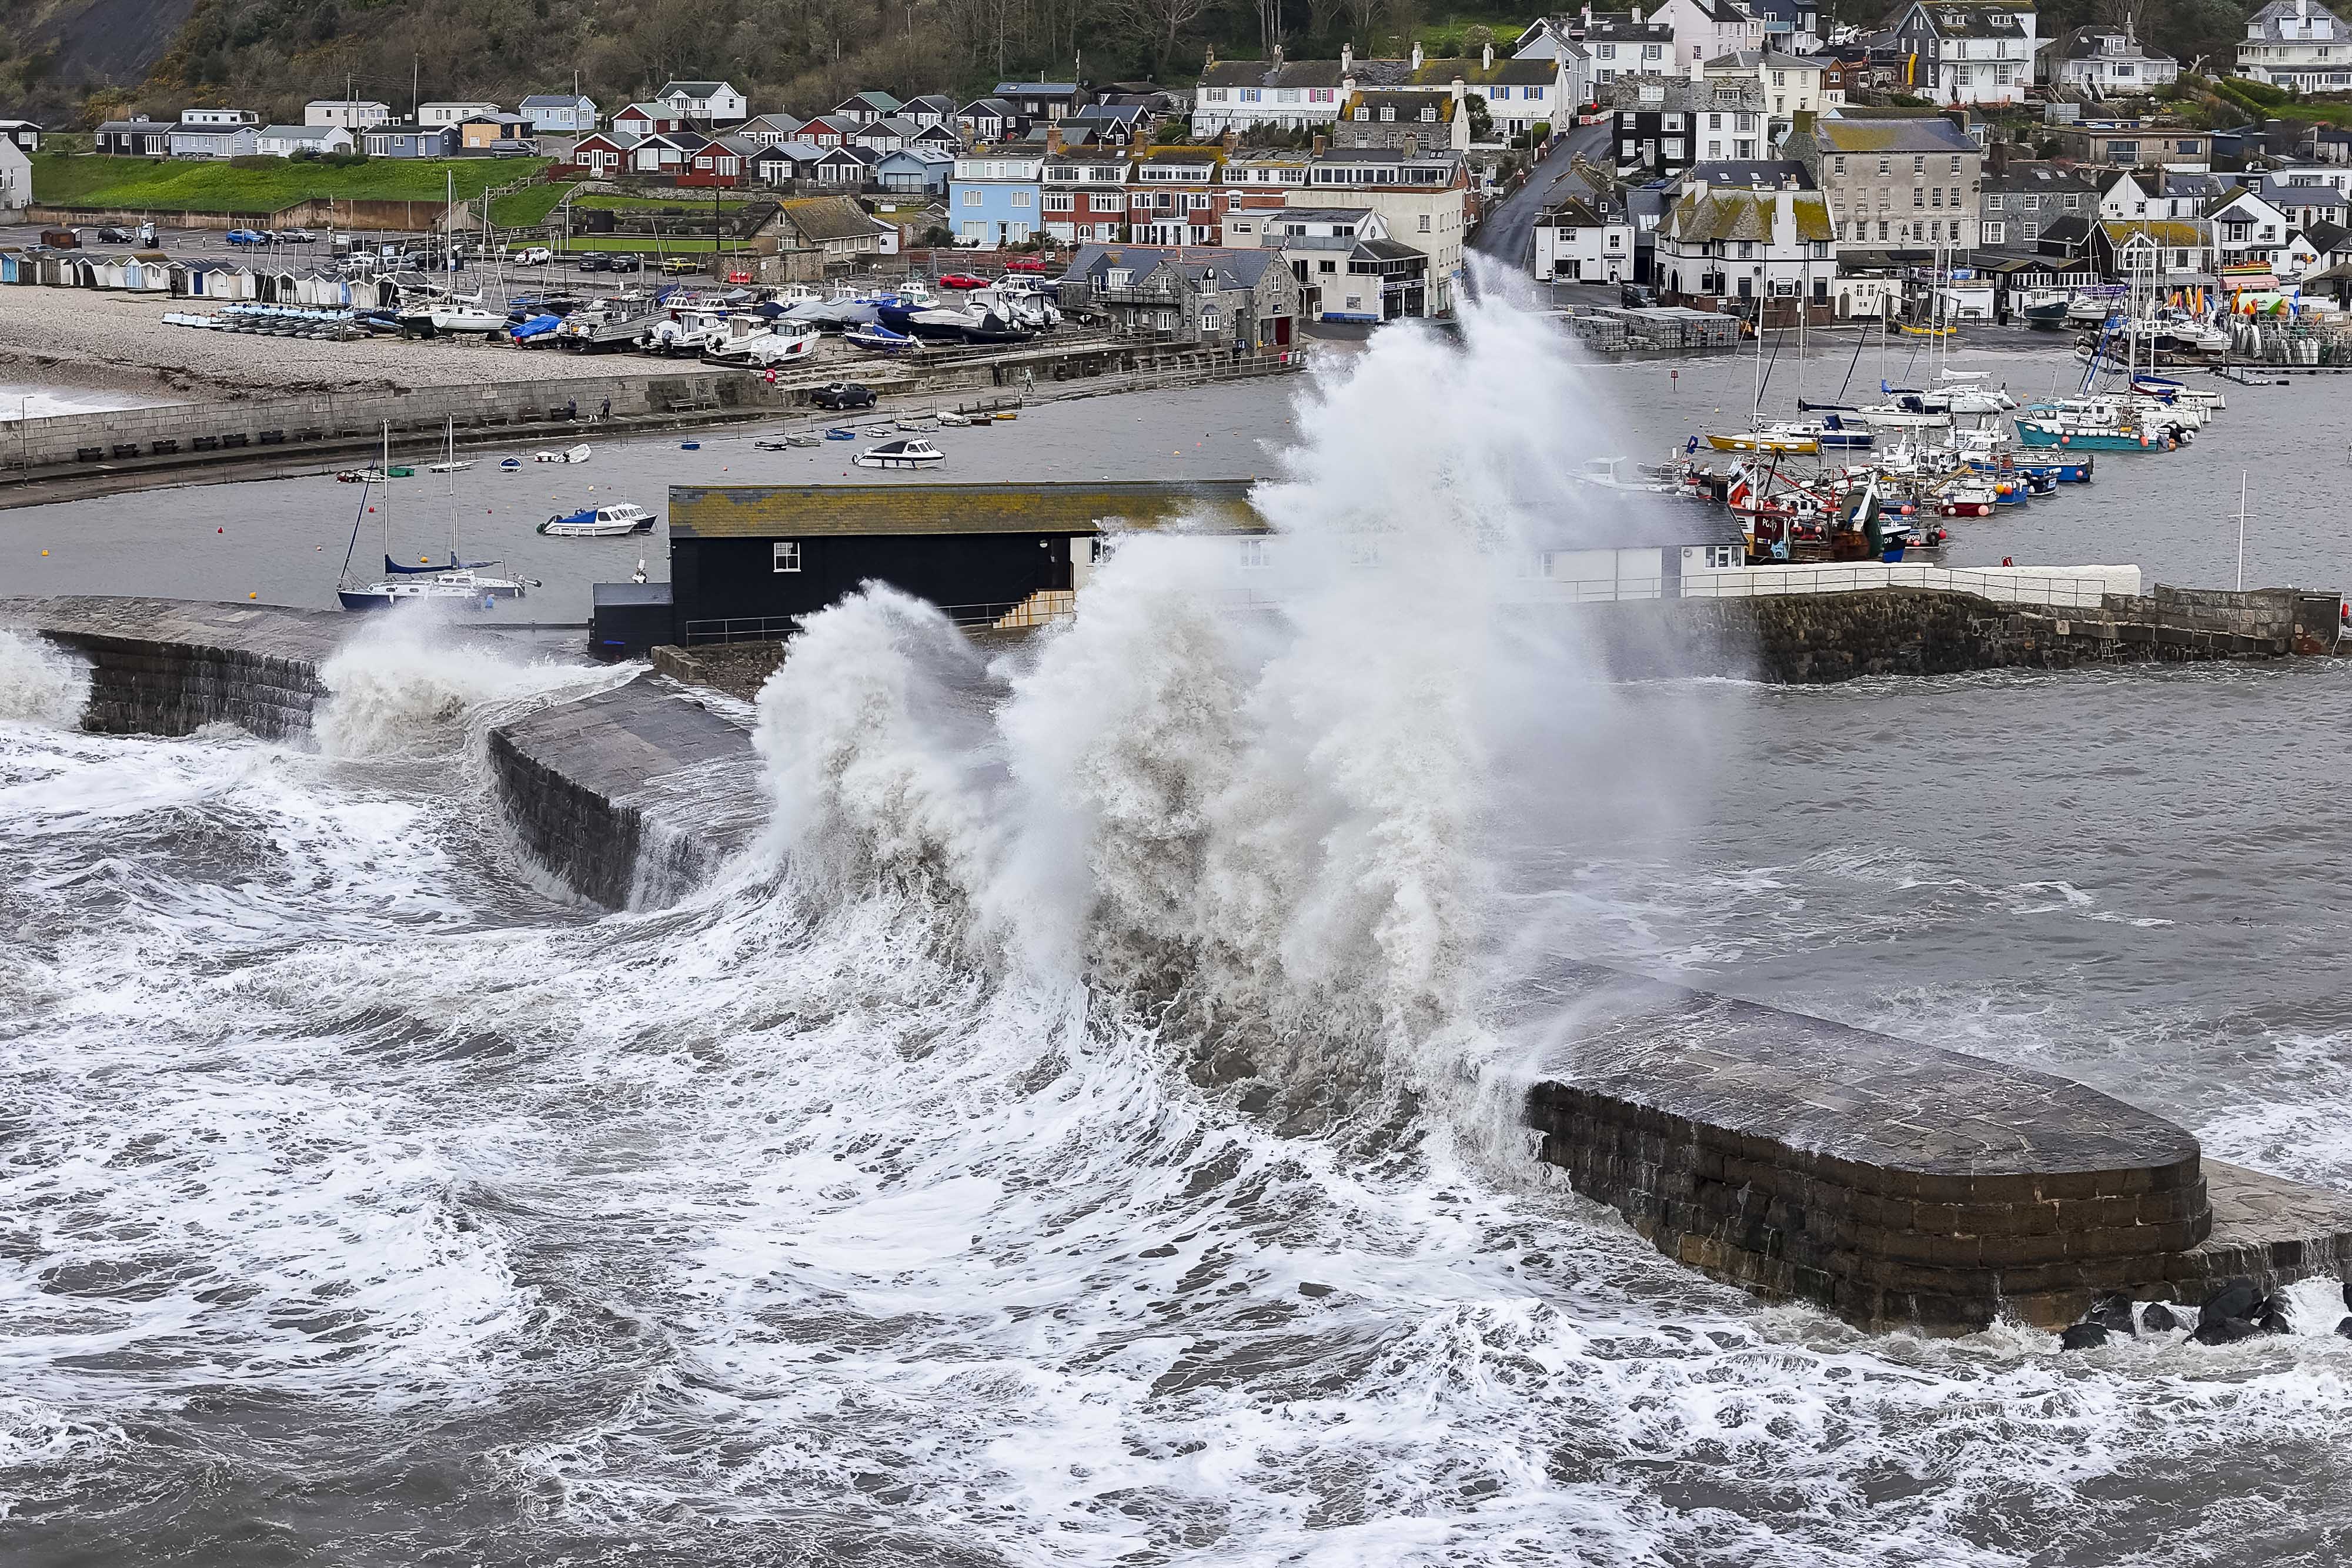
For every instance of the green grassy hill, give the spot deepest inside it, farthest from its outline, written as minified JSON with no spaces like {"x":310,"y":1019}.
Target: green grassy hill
{"x":161,"y":185}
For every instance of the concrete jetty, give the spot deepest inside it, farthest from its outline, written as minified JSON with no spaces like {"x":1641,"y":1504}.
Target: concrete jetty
{"x":1894,"y":1184}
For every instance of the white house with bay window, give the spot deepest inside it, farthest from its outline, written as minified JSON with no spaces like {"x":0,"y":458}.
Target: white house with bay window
{"x":2293,"y":43}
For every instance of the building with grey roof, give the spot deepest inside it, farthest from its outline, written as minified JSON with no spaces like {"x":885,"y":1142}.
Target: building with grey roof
{"x":1903,"y":184}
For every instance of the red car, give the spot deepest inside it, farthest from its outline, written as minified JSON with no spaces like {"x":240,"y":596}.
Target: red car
{"x":1025,"y":264}
{"x":962,"y":280}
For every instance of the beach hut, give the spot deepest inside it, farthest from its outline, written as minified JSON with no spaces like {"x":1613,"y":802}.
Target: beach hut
{"x":12,"y":266}
{"x":318,"y":288}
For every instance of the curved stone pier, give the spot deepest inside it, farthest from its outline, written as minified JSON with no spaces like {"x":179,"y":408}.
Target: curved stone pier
{"x":167,"y":666}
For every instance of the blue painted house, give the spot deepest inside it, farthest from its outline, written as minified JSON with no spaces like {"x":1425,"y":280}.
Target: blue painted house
{"x":411,"y":141}
{"x":915,"y":170}
{"x":994,"y":195}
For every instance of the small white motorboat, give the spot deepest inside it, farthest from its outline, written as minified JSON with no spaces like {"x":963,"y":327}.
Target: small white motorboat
{"x":569,"y":454}
{"x":600,"y":522}
{"x":455,"y":466}
{"x":914,"y":454}
{"x":949,"y":416}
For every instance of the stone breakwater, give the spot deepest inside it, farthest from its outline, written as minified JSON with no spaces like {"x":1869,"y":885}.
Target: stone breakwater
{"x":1802,"y":639}
{"x":1891,"y":1183}
{"x":1897,"y":1184}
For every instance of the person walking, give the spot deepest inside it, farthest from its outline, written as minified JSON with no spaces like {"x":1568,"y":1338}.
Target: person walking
{"x":606,"y":412}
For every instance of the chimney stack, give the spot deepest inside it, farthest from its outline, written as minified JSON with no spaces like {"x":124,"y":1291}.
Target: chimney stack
{"x":1320,"y":145}
{"x":1347,"y":59}
{"x":1416,"y":54}
{"x":1486,"y":55}
{"x":1053,"y":141}
{"x":1278,"y":56}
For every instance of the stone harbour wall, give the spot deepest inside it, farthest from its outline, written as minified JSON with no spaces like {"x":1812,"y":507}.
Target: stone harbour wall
{"x":1814,"y":638}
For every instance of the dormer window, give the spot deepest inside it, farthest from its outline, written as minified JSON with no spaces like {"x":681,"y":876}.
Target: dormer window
{"x":1363,"y":114}
{"x":1429,"y":115}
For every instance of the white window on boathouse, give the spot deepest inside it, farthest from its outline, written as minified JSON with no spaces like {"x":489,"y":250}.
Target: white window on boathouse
{"x":788,"y":555}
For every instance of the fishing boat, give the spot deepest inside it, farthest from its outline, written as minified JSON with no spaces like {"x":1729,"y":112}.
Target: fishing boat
{"x":600,"y":522}
{"x":2046,"y":315}
{"x":1966,"y":499}
{"x":1621,"y":474}
{"x":916,"y":453}
{"x":2042,"y":431}
{"x":470,"y":583}
{"x":578,"y":454}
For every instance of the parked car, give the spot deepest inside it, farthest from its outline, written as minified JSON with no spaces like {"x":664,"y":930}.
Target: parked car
{"x":249,"y":237}
{"x":1025,"y":264}
{"x":962,"y":280}
{"x":627,"y":261}
{"x":843,"y":394}
{"x":296,"y":237}
{"x":536,"y":256}
{"x":110,"y":234}
{"x":593,"y":261}
{"x":677,"y":266}
{"x":1634,"y":297}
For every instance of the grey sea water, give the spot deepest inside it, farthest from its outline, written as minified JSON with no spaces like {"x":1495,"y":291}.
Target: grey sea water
{"x":364,"y":1200}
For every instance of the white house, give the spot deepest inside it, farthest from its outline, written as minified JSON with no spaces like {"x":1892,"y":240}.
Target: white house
{"x":1706,"y":29}
{"x":1968,"y":51}
{"x":452,"y":112}
{"x":219,"y":117}
{"x":1291,"y":95}
{"x":351,"y":113}
{"x":2293,"y":43}
{"x":1792,"y":84}
{"x":2248,"y":231}
{"x":2105,"y":62}
{"x":15,"y":178}
{"x":708,"y":102}
{"x":559,"y":113}
{"x":285,"y":141}
{"x":1741,"y":243}
{"x":1576,"y":244}
{"x":2153,"y":193}
{"x":1621,"y":48}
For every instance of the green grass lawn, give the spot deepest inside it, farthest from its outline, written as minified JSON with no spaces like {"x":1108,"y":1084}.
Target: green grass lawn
{"x":163,"y":186}
{"x":684,"y":202}
{"x":528,"y":208}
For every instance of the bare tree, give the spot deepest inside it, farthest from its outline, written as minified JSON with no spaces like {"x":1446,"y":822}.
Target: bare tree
{"x":1160,"y":21}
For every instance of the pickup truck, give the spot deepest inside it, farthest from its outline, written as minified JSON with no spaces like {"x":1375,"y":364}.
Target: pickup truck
{"x":843,"y":394}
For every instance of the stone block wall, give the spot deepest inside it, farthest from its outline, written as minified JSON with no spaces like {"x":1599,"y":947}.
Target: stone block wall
{"x":1876,"y":1244}
{"x":175,"y":688}
{"x":1806,"y":639}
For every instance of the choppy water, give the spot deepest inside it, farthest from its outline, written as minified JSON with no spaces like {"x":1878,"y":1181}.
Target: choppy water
{"x":1072,"y":1136}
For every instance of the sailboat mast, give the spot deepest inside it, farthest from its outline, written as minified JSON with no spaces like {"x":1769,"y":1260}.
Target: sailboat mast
{"x":450,"y":461}
{"x":385,"y":469}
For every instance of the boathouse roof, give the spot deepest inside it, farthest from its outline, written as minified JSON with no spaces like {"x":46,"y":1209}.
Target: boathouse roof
{"x":790,"y":511}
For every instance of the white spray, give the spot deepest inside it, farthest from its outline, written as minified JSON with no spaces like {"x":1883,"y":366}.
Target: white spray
{"x":407,"y":678}
{"x":41,"y":683}
{"x":1261,"y":794}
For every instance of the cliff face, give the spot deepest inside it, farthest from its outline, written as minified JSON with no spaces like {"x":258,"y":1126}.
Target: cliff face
{"x":99,"y":43}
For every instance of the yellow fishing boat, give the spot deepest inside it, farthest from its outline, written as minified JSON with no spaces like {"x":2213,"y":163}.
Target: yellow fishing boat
{"x":1767,"y":441}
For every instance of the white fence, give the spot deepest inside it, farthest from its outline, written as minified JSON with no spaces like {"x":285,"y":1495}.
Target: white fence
{"x":2060,"y":587}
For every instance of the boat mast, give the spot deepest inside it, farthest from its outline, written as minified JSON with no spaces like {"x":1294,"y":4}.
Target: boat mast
{"x":450,"y":462}
{"x":385,"y":468}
